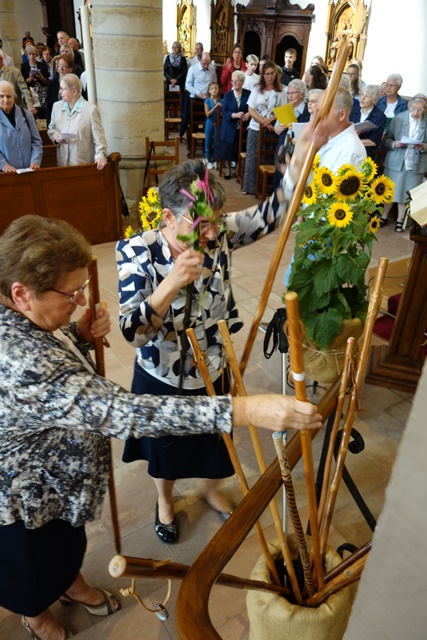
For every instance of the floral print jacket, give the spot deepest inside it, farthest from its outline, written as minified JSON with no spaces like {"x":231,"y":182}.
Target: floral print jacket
{"x":55,"y":419}
{"x":144,"y":260}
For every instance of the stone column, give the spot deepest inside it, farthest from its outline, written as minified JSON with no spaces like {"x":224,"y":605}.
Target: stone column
{"x":127,"y":44}
{"x":9,"y":31}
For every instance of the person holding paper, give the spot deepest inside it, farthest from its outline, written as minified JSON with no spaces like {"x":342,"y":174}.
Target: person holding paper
{"x":265,"y":97}
{"x":368,"y":112}
{"x":74,"y":115}
{"x":406,"y":160}
{"x":21,"y":146}
{"x":175,"y":68}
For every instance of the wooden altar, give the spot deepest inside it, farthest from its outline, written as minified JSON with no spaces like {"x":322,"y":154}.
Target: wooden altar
{"x":398,"y":365}
{"x":269,"y":27}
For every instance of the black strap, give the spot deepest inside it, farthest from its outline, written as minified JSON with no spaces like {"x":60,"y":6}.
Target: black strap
{"x":123,"y":203}
{"x":151,"y":151}
{"x":276,"y":333}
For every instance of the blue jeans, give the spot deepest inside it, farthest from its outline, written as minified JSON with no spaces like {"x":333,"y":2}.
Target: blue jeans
{"x":210,"y":141}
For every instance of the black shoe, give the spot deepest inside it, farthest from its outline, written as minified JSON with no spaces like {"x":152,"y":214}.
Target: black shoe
{"x":166,"y":532}
{"x":383,"y":222}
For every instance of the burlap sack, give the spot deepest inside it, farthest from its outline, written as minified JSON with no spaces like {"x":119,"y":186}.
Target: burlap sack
{"x":325,"y":366}
{"x":272,"y":617}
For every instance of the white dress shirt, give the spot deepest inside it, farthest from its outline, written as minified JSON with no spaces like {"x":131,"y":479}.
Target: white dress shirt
{"x":199,"y":79}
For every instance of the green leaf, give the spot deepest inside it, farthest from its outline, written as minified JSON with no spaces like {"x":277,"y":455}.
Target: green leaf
{"x":322,"y":328}
{"x":324,"y":276}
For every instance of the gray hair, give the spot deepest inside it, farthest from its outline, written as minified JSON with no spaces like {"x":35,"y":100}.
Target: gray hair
{"x":178,"y":44}
{"x":315,"y":92}
{"x":418,"y":98}
{"x":252,"y":58}
{"x":71,"y":81}
{"x":238,"y":75}
{"x":372,"y":90}
{"x":345,"y":81}
{"x":397,"y":77}
{"x":10,"y":86}
{"x":299,"y":85}
{"x":30,"y":49}
{"x":181,"y":177}
{"x":343,"y":100}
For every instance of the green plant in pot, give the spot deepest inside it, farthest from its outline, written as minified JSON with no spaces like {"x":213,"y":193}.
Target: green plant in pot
{"x":333,"y":248}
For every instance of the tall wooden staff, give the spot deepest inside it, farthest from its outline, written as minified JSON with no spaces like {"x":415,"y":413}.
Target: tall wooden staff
{"x":295,"y":202}
{"x":100,"y":367}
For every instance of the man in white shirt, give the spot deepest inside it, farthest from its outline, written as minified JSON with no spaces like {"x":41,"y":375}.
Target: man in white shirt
{"x":198,"y":79}
{"x":197,"y":58}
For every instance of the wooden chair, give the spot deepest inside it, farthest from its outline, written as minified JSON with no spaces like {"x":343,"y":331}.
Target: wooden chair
{"x":241,"y":154}
{"x":218,"y":132}
{"x":267,"y":142}
{"x":160,"y":159}
{"x":173,"y":111}
{"x":197,"y":126}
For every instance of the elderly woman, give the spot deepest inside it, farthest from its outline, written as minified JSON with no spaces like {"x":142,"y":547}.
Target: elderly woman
{"x":234,"y":111}
{"x":392,"y":103}
{"x":265,"y":96}
{"x":234,"y":63}
{"x":57,"y":416}
{"x":20,"y":144}
{"x":313,"y":98}
{"x":369,"y":112}
{"x":75,"y":116}
{"x":154,"y":267}
{"x":251,"y":78}
{"x":35,"y":73}
{"x":175,"y":67}
{"x":404,"y":163}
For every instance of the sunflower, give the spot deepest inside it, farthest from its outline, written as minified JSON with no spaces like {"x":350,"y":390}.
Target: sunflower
{"x":325,"y":180}
{"x":369,"y":169}
{"x":382,"y":190}
{"x":340,"y":214}
{"x":350,"y":185}
{"x":150,"y":210}
{"x":374,"y":224}
{"x":344,"y":168}
{"x":316,"y":161}
{"x":309,"y":194}
{"x":129,"y":232}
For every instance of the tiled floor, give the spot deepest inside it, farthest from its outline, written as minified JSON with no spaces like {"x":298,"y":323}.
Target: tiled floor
{"x":381,"y":422}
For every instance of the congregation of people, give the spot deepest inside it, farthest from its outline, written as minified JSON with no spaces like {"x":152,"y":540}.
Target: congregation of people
{"x":55,"y":455}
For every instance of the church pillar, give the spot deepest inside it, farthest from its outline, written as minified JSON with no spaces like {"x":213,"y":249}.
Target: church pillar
{"x":9,"y":31}
{"x":127,"y":45}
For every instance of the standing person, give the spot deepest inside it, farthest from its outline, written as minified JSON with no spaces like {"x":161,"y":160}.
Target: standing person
{"x":175,"y":68}
{"x":75,"y":47}
{"x":63,"y":66}
{"x":356,"y":83}
{"x":198,"y":57}
{"x":405,"y":164}
{"x":212,"y":104}
{"x":74,"y":115}
{"x":153,"y":269}
{"x":22,"y":93}
{"x":21,"y":146}
{"x":288,"y":70}
{"x":315,"y":78}
{"x":57,"y":416}
{"x":35,"y":74}
{"x":369,"y":112}
{"x":392,"y":103}
{"x":8,"y":61}
{"x":198,"y":79}
{"x":48,"y":62}
{"x":234,"y":63}
{"x":251,"y":78}
{"x":234,"y":112}
{"x":265,"y":96}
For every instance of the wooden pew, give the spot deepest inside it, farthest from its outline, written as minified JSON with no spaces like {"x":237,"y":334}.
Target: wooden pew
{"x":83,"y":196}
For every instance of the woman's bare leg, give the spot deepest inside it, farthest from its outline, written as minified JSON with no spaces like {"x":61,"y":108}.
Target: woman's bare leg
{"x":214,"y":498}
{"x":165,"y":491}
{"x":46,"y":627}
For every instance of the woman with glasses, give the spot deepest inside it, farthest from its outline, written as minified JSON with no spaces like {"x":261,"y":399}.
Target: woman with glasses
{"x":154,"y":269}
{"x":76,"y":127}
{"x":265,"y":96}
{"x":57,"y":416}
{"x":392,"y":103}
{"x":404,"y":163}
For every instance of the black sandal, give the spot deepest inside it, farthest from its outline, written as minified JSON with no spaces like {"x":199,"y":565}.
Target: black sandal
{"x":398,"y":227}
{"x":383,"y":222}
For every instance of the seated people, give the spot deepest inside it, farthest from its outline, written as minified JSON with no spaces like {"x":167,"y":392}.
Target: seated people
{"x":20,"y":142}
{"x":74,"y":115}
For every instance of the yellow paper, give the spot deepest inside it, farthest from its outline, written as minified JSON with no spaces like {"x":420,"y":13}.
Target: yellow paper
{"x":285,"y":114}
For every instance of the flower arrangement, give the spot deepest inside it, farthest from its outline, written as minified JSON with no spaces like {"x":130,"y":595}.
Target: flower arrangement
{"x":150,"y":213}
{"x":199,"y":209}
{"x":334,"y":246}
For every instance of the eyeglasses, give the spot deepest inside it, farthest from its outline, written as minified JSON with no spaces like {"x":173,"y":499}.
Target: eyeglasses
{"x":74,"y":296}
{"x":207,"y":224}
{"x":388,"y":84}
{"x":294,"y":93}
{"x":235,"y":81}
{"x":270,"y":73}
{"x":416,"y":109}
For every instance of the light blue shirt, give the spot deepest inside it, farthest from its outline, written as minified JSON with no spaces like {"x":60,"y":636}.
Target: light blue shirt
{"x":79,"y":105}
{"x":199,"y":79}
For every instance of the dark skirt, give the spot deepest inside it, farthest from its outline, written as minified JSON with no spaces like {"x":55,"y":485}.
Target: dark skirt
{"x":38,"y":565}
{"x":172,"y":457}
{"x":229,"y":150}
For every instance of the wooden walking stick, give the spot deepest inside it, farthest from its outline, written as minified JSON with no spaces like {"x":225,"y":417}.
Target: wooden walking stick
{"x":373,"y":308}
{"x":334,"y":431}
{"x":294,"y":204}
{"x":344,"y":579}
{"x":226,"y":340}
{"x":293,"y":510}
{"x":100,"y":367}
{"x":297,"y":367}
{"x":201,"y":363}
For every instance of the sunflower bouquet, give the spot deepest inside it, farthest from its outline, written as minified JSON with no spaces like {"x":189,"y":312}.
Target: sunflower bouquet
{"x":341,"y":216}
{"x":150,"y":211}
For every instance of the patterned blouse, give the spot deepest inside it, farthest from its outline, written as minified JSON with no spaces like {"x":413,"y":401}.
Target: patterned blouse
{"x":144,"y":260}
{"x":55,"y":416}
